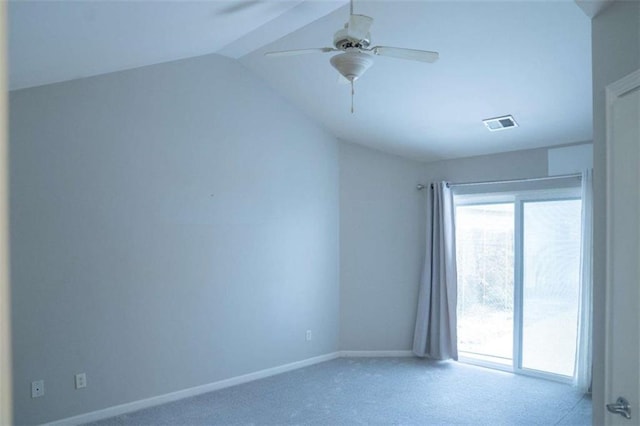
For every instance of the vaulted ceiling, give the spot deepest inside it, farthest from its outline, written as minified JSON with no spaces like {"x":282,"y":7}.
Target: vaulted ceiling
{"x":531,"y":59}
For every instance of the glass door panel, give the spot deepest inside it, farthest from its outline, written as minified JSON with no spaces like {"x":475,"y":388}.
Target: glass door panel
{"x":485,"y":250}
{"x":551,"y":265}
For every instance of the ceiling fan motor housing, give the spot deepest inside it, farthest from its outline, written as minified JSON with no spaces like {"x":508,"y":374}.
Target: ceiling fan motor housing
{"x":342,"y":41}
{"x":351,"y":64}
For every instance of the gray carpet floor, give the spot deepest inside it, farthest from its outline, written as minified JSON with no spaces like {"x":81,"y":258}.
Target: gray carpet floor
{"x":404,"y":391}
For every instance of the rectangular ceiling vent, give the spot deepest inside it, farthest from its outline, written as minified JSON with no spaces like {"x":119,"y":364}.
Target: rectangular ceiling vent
{"x":500,"y":123}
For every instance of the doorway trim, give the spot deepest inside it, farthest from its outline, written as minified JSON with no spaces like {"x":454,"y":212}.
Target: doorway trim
{"x":613,"y":92}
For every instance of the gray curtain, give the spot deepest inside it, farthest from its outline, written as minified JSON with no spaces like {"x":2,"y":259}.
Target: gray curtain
{"x":435,"y":333}
{"x":584,"y":347}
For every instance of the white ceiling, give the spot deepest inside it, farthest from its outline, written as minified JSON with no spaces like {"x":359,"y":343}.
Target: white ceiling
{"x":528,"y":59}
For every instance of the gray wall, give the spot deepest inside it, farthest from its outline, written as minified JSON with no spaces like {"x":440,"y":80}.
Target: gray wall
{"x":381,"y":248}
{"x":616,"y":53}
{"x":510,"y":165}
{"x":172,"y":226}
{"x":382,"y":231}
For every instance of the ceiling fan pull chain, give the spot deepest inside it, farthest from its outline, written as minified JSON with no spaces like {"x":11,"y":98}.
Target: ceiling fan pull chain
{"x":352,"y":92}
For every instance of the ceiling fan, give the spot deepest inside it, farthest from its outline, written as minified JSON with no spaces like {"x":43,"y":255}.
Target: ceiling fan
{"x":353,"y":41}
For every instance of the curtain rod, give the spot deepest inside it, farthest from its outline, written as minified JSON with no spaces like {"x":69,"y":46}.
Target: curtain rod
{"x":421,"y":186}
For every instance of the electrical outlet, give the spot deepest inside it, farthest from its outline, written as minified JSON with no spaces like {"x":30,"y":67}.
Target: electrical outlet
{"x":81,"y":380}
{"x":308,"y":335}
{"x":37,"y":389}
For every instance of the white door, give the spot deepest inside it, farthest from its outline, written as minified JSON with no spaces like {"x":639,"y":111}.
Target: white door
{"x":5,"y":340}
{"x":622,"y":353}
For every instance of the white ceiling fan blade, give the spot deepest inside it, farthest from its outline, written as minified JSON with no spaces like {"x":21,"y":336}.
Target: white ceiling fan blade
{"x":410,"y":54}
{"x":359,"y":26}
{"x":301,"y":51}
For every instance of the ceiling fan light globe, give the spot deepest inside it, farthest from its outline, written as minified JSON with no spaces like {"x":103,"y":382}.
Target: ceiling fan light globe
{"x":352,"y":65}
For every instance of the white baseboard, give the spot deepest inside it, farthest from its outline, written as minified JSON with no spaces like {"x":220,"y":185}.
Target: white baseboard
{"x":186,"y":393}
{"x":210,"y":387}
{"x":375,"y":354}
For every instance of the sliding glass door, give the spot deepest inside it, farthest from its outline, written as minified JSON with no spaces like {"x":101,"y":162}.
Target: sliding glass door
{"x":484,"y":241}
{"x":550,"y":282}
{"x":518,"y":258}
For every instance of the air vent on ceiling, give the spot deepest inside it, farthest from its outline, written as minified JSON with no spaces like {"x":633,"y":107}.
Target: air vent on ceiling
{"x":500,"y":123}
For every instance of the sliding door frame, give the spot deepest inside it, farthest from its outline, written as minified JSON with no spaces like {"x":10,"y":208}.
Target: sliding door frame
{"x":518,"y":282}
{"x":518,"y":198}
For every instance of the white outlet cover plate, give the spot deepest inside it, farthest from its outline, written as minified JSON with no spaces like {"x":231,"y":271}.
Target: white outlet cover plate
{"x":37,"y":389}
{"x":81,"y":380}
